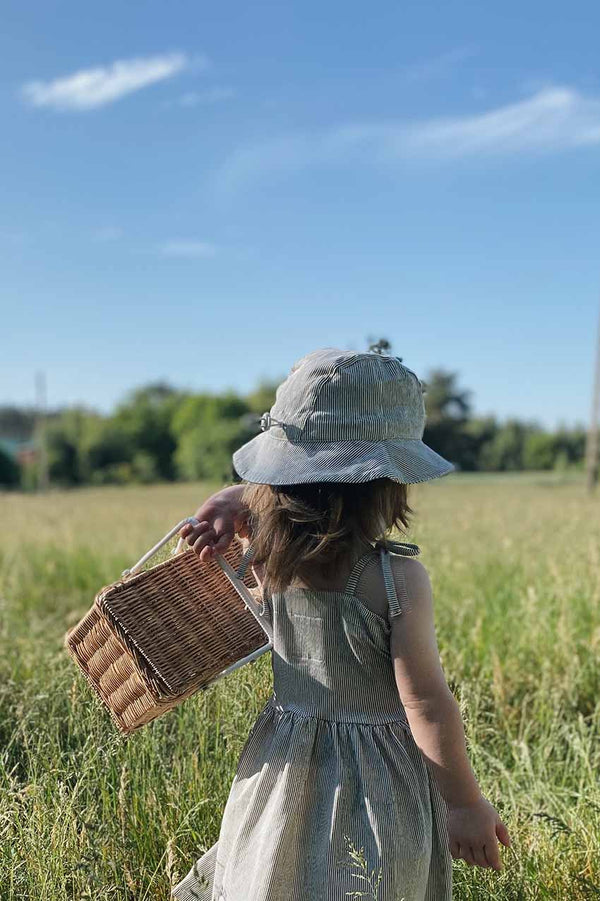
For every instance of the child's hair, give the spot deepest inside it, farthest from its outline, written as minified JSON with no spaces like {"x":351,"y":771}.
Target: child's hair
{"x":299,"y":530}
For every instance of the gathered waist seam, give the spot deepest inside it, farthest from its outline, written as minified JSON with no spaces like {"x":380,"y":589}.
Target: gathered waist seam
{"x":301,"y":711}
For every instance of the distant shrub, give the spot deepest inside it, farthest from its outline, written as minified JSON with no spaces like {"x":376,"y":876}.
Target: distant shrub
{"x":10,"y":471}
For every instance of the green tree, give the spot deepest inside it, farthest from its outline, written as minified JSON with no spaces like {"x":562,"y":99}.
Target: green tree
{"x":17,"y":422}
{"x":104,"y":444}
{"x":205,"y":410}
{"x":448,"y":408}
{"x":145,"y":416}
{"x":205,"y":451}
{"x":445,"y":401}
{"x":505,"y":450}
{"x":476,"y":434}
{"x":64,"y":437}
{"x":570,"y":444}
{"x":262,"y":398}
{"x":10,"y":471}
{"x":539,"y":450}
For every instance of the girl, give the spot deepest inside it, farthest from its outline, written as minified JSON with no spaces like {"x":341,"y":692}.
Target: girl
{"x":361,"y":744}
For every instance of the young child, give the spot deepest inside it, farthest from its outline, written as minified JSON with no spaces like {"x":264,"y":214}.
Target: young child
{"x":361,"y":743}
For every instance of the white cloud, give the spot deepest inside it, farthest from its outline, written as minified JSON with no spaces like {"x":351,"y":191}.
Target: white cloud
{"x":553,"y":119}
{"x":90,"y":88}
{"x":550,"y":121}
{"x":208,"y":97}
{"x":188,"y":249}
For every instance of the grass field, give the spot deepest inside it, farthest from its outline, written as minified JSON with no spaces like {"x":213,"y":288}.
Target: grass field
{"x":515,"y":566}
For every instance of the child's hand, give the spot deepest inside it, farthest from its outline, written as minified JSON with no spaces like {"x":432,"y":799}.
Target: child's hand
{"x":473,"y":832}
{"x":218,"y":520}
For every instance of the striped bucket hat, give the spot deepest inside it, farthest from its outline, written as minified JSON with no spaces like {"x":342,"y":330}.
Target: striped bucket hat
{"x":342,"y":416}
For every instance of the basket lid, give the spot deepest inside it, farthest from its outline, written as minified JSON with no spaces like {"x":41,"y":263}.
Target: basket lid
{"x":183,"y":620}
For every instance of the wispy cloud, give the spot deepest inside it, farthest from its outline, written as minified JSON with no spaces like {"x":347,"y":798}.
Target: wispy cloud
{"x":438,"y":66}
{"x":188,"y":249}
{"x":90,"y":88}
{"x":552,"y":120}
{"x":207,"y":97}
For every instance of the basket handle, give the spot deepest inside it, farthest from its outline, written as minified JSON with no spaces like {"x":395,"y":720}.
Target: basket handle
{"x":234,"y":577}
{"x":246,"y":595}
{"x":154,"y":550}
{"x":165,"y":540}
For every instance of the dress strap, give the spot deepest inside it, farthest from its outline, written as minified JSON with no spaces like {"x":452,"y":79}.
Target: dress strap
{"x":401,"y":548}
{"x":394,"y":608}
{"x":357,"y":571}
{"x":404,"y":550}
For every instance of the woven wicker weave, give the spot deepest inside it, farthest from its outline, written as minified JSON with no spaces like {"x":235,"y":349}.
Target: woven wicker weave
{"x":155,"y":638}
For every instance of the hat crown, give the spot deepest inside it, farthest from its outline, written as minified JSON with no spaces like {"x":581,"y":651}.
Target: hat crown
{"x":334,"y":395}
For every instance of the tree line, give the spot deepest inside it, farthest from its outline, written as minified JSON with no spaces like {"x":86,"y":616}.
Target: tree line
{"x":160,"y":433}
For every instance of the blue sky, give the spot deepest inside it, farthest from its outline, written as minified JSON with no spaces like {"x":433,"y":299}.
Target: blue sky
{"x":203,"y":193}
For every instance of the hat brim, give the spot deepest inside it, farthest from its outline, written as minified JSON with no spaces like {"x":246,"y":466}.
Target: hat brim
{"x":275,"y":461}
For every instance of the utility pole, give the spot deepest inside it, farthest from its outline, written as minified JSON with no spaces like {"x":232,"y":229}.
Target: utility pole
{"x":40,"y":432}
{"x":591,"y":449}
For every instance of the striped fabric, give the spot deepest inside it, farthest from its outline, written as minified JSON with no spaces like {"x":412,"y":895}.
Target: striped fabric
{"x":330,"y":760}
{"x":346,"y":417}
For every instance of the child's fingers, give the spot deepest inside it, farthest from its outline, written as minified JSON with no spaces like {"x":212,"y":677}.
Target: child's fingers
{"x":191,"y":526}
{"x":186,"y":529}
{"x":205,"y":539}
{"x":223,"y":541}
{"x":502,"y":833}
{"x":478,"y":856}
{"x":224,"y":530}
{"x":492,"y":856}
{"x":194,"y":531}
{"x":207,"y":553}
{"x":465,"y":853}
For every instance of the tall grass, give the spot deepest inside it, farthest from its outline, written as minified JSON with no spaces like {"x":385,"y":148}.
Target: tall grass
{"x":515,"y":566}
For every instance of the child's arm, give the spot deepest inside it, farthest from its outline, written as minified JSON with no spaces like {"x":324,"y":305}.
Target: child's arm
{"x":436,"y":722}
{"x":431,"y":708}
{"x":220,"y":517}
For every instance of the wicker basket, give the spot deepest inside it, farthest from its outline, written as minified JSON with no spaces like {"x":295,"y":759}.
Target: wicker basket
{"x":157,"y":636}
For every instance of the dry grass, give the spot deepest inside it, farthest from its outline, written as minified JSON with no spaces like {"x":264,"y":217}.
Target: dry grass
{"x":83,"y":814}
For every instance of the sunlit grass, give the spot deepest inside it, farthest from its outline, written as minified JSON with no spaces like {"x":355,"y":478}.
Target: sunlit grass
{"x":515,"y":565}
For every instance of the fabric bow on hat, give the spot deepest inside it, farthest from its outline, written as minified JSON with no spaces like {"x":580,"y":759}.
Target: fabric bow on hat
{"x":266,"y":421}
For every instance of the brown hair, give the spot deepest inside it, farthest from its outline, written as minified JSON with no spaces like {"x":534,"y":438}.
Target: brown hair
{"x":301,"y":530}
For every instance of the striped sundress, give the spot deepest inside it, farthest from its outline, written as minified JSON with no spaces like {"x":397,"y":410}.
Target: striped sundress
{"x":330,"y":763}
